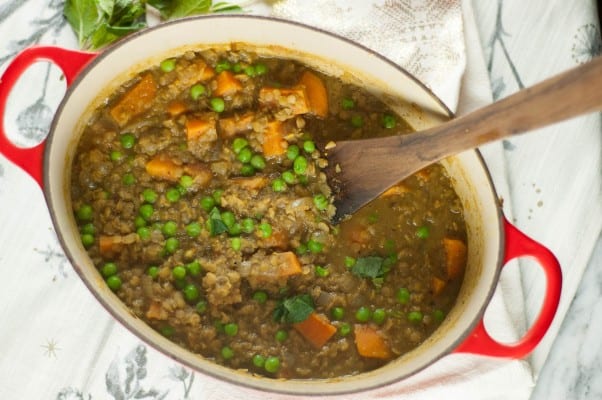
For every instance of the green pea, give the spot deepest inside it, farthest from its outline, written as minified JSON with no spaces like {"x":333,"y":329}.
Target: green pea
{"x":272,"y":364}
{"x":278,"y":185}
{"x":302,"y":249}
{"x":167,"y":331}
{"x":265,"y":230}
{"x":223,"y":65}
{"x":191,"y":292}
{"x":260,"y":296}
{"x":321,"y":202}
{"x":227,"y":353}
{"x":247,"y":170}
{"x":144,"y":232}
{"x":423,"y":232}
{"x":292,"y":152}
{"x":338,"y":313}
{"x":207,"y":203}
{"x":201,"y":306}
{"x":289,"y":177}
{"x":236,"y":243}
{"x":344,"y":329}
{"x":403,"y":295}
{"x":114,"y":282}
{"x":139,"y":222}
{"x":438,"y":315}
{"x":321,"y":271}
{"x":300,"y":165}
{"x":197,"y":91}
{"x":88,"y":228}
{"x":149,"y":196}
{"x":258,"y":360}
{"x":363,"y":314}
{"x":357,"y":121}
{"x":87,"y":239}
{"x":186,"y":181}
{"x":249,"y":71}
{"x":193,"y":229}
{"x":127,"y":140}
{"x":349,"y":261}
{"x":128,"y":179}
{"x":168,"y":65}
{"x":379,"y":315}
{"x":193,"y":268}
{"x":237,"y":68}
{"x":415,"y":316}
{"x":217,"y":196}
{"x":245,"y":155}
{"x":228,"y":218}
{"x":178,"y":272}
{"x":247,"y":225}
{"x":171,"y":245}
{"x":261,"y":68}
{"x":238,"y":144}
{"x":231,"y":329}
{"x":170,"y":228}
{"x":84,"y":213}
{"x":388,"y":121}
{"x":172,"y":195}
{"x":258,"y":162}
{"x":153,"y":272}
{"x":347,"y":103}
{"x":309,"y":146}
{"x":281,"y":335}
{"x":314,"y":246}
{"x":217,"y":104}
{"x":116,"y":155}
{"x":146,"y":211}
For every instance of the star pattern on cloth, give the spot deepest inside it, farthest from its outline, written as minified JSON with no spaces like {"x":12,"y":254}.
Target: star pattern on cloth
{"x":50,"y":348}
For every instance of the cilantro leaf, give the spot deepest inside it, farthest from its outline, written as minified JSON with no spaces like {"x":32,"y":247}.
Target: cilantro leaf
{"x":294,"y":309}
{"x":215,"y":223}
{"x":373,"y":267}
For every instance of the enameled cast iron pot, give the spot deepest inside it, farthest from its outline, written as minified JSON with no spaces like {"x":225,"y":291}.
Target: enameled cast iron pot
{"x":492,"y":241}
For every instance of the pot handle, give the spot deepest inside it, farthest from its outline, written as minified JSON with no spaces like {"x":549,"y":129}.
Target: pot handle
{"x":71,"y":63}
{"x":520,"y":245}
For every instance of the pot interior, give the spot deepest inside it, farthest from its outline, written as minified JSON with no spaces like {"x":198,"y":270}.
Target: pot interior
{"x":335,"y":56}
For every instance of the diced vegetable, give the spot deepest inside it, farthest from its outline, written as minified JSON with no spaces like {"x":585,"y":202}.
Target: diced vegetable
{"x":253,"y":183}
{"x":437,"y":285}
{"x":156,"y":311}
{"x":138,"y":99}
{"x":317,"y":96}
{"x":455,"y":256}
{"x":163,"y":168}
{"x":227,"y":84}
{"x":109,"y":245}
{"x":197,"y":127}
{"x":273,"y":139}
{"x":236,"y":124}
{"x":370,"y":343}
{"x":316,"y":329}
{"x":176,"y":108}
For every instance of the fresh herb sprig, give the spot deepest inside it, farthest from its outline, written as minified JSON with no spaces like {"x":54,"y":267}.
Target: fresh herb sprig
{"x":294,"y":309}
{"x":374,"y":268}
{"x":98,"y":23}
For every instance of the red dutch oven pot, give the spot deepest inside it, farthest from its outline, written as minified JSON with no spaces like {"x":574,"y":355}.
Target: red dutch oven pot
{"x":492,"y":240}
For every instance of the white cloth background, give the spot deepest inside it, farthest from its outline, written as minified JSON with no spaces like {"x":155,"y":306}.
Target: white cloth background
{"x":56,"y":340}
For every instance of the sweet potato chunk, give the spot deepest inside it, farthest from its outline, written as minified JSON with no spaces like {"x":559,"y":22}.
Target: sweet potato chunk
{"x":163,"y":168}
{"x":455,"y":257}
{"x":253,"y":183}
{"x":197,"y":127}
{"x":317,"y":329}
{"x":437,"y":285}
{"x":236,"y":124}
{"x":273,"y":139}
{"x":317,"y":97}
{"x":370,"y":343}
{"x":227,"y":84}
{"x":176,"y":108}
{"x":138,"y":99}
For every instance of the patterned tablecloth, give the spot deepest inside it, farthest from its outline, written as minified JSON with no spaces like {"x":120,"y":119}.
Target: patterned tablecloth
{"x":58,"y":342}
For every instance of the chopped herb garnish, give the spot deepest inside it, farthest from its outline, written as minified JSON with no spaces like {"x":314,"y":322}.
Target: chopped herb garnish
{"x":215,"y":223}
{"x":294,"y":309}
{"x":373,"y":267}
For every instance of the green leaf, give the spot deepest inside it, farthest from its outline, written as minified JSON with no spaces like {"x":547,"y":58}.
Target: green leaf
{"x":224,"y":7}
{"x":215,"y":223}
{"x":106,"y":6}
{"x":85,"y":17}
{"x":373,"y":267}
{"x":294,"y":309}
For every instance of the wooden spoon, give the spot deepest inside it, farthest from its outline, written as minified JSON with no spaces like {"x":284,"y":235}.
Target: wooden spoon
{"x":360,"y":170}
